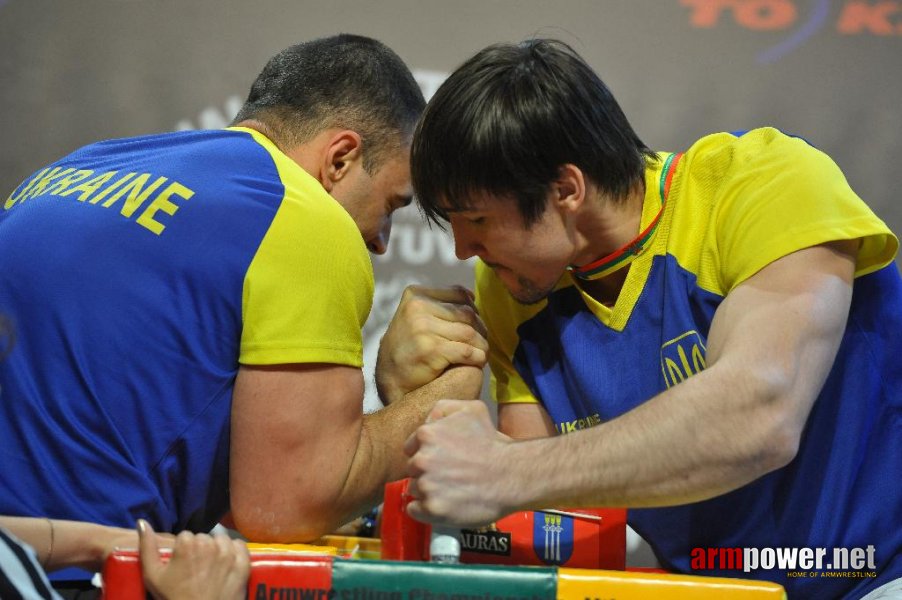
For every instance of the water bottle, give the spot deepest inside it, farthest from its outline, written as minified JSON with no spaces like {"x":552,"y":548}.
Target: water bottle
{"x":444,"y":545}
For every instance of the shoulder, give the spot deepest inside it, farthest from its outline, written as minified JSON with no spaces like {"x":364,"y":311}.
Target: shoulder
{"x":770,"y":194}
{"x":758,"y":152}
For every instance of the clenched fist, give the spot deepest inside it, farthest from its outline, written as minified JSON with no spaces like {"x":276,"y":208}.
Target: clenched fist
{"x":432,"y":329}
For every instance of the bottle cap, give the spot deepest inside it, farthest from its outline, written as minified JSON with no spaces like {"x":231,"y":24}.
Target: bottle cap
{"x":444,"y":548}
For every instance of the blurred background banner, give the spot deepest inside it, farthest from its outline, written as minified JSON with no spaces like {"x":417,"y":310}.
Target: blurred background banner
{"x":827,"y":70}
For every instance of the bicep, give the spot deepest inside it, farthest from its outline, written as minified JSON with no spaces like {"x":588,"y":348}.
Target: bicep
{"x":294,"y":431}
{"x":522,"y":421}
{"x":781,"y":327}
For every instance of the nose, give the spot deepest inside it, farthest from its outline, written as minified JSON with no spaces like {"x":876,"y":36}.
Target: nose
{"x":465,"y":245}
{"x":378,"y":244}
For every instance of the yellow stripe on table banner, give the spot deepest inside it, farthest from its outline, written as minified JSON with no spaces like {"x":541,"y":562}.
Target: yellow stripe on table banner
{"x":262,"y":548}
{"x":579,"y":584}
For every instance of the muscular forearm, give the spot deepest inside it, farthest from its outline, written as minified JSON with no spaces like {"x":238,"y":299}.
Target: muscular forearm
{"x":71,"y":544}
{"x":379,"y":457}
{"x":674,"y":449}
{"x":709,"y":435}
{"x":323,"y":475}
{"x":770,"y":347}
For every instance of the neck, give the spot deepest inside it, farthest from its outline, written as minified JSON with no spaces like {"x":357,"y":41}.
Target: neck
{"x":609,"y":227}
{"x":609,"y":224}
{"x":307,"y":154}
{"x":618,"y":261}
{"x":260,"y":127}
{"x":607,"y":289}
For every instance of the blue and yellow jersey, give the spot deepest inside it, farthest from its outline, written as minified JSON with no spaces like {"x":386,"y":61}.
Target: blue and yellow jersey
{"x":735,"y":204}
{"x":139,"y":273}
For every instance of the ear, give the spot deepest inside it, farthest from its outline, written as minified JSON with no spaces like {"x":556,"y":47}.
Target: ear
{"x":343,"y":149}
{"x":569,"y":189}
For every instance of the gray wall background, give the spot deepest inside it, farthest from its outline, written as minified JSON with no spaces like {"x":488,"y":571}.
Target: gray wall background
{"x":72,"y":72}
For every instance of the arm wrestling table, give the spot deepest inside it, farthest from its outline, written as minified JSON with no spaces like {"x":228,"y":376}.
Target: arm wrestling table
{"x":533,"y":555}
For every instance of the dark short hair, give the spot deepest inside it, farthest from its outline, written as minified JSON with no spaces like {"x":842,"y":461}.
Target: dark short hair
{"x":506,"y":121}
{"x":346,"y":81}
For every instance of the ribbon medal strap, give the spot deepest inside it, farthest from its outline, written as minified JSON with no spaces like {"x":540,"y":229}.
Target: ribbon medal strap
{"x":626,"y":254}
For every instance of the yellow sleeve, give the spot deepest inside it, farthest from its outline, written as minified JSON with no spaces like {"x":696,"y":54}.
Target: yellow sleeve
{"x":502,"y":315}
{"x":309,"y":287}
{"x":780,"y":195}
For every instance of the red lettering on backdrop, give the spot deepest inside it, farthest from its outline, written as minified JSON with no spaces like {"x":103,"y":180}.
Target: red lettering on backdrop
{"x":867,"y":17}
{"x":873,"y":17}
{"x":765,"y":14}
{"x":752,"y":14}
{"x":706,"y":13}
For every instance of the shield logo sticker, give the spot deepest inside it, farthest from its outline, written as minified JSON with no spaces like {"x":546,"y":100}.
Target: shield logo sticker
{"x":552,"y":537}
{"x":682,"y":357}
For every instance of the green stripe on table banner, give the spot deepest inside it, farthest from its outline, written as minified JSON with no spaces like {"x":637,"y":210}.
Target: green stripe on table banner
{"x":392,"y":580}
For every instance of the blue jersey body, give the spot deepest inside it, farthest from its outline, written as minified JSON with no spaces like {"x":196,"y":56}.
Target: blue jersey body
{"x":139,"y":273}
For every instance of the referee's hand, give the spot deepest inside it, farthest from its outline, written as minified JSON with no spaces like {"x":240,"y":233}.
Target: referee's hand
{"x":201,"y":567}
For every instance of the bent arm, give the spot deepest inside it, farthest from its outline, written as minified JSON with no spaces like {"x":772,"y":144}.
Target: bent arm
{"x":304,"y":458}
{"x":770,"y":348}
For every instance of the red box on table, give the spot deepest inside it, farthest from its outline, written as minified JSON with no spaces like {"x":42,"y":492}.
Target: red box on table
{"x":581,"y":538}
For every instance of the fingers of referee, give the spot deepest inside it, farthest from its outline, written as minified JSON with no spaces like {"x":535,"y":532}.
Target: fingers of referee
{"x":224,"y":546}
{"x":242,"y":557}
{"x":149,"y":551}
